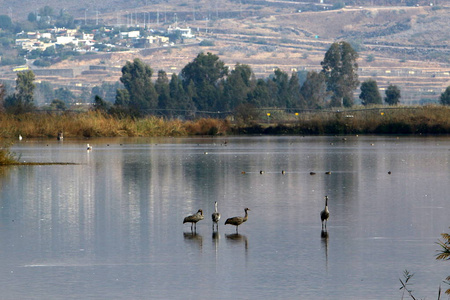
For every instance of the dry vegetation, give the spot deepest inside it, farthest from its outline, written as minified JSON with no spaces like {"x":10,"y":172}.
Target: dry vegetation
{"x":375,"y":120}
{"x":95,"y":124}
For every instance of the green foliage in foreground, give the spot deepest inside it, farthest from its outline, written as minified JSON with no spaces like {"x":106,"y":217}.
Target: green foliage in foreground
{"x":443,"y":254}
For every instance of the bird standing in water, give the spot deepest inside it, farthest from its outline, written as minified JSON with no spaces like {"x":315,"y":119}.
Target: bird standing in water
{"x":215,"y":216}
{"x":193,"y":219}
{"x":324,"y":214}
{"x":236,"y":221}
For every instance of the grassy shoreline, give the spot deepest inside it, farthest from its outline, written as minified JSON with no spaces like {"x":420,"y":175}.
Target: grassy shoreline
{"x":376,"y":120}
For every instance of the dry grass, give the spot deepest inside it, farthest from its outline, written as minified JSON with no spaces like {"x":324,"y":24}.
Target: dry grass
{"x":208,"y":127}
{"x":6,"y":156}
{"x":432,"y":119}
{"x":96,"y":124}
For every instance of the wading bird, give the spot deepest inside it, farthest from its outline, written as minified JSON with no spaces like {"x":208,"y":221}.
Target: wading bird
{"x":193,"y":219}
{"x":324,"y":214}
{"x":215,"y":216}
{"x":236,"y":221}
{"x":88,"y":147}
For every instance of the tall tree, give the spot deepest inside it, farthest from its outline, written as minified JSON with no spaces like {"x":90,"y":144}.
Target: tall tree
{"x":204,"y":68}
{"x":162,"y":89}
{"x":370,"y":93}
{"x":281,"y":80}
{"x":340,"y":69}
{"x":260,"y":96}
{"x":180,"y":99}
{"x":237,"y":87}
{"x":295,"y":99}
{"x":22,"y":100}
{"x":445,"y":97}
{"x":392,"y":95}
{"x":313,"y":90}
{"x":137,"y":79}
{"x":205,"y":71}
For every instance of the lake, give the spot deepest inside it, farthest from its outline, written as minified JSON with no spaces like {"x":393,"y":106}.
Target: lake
{"x":111,"y":225}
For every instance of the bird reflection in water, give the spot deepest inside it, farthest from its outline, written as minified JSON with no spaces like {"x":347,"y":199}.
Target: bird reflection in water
{"x":193,"y":238}
{"x":324,"y":236}
{"x":215,"y":241}
{"x":237,"y":238}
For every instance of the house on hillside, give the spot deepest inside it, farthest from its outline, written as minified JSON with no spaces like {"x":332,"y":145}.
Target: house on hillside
{"x":149,"y":41}
{"x":130,"y":35}
{"x":184,"y":32}
{"x":64,"y":40}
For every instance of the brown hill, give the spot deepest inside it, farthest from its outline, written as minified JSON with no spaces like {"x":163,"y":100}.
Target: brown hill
{"x":406,"y":46}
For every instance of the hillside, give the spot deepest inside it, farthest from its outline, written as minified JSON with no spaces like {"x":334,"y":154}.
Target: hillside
{"x":406,"y":46}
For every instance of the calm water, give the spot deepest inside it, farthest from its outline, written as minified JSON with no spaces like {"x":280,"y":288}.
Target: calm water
{"x":111,"y":227}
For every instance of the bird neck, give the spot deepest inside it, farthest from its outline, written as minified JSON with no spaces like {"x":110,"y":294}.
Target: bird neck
{"x":246,"y":215}
{"x":215,"y":207}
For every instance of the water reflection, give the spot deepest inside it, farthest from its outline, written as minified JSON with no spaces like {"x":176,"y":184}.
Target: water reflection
{"x":237,"y":238}
{"x":193,"y":238}
{"x":215,"y":236}
{"x":123,"y":205}
{"x":324,"y":238}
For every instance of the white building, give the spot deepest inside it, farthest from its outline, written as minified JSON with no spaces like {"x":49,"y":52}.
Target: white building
{"x":64,"y":40}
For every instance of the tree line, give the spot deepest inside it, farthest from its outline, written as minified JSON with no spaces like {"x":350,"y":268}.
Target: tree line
{"x":205,"y":85}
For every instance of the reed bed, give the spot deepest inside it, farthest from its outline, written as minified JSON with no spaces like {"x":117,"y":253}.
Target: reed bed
{"x":97,"y":124}
{"x":433,"y":119}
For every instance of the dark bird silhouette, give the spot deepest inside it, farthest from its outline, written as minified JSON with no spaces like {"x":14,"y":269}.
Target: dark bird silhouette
{"x":60,"y":136}
{"x":215,"y":216}
{"x":324,"y":214}
{"x":193,"y":219}
{"x":236,"y":221}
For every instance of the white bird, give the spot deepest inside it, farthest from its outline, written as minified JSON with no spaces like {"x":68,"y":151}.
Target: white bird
{"x":89,"y":147}
{"x":20,"y":137}
{"x":324,"y":214}
{"x":215,"y":216}
{"x":193,"y":219}
{"x":236,"y":221}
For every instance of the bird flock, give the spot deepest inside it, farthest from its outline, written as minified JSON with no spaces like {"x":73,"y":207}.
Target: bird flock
{"x":236,"y":221}
{"x":198,"y":216}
